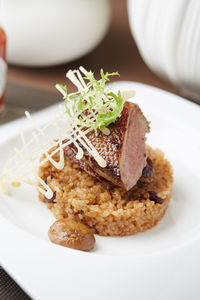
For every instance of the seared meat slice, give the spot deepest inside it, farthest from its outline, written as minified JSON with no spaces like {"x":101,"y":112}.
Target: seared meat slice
{"x":123,"y":149}
{"x":147,"y":172}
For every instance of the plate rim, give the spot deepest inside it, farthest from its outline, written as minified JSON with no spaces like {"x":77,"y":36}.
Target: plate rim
{"x":17,"y":275}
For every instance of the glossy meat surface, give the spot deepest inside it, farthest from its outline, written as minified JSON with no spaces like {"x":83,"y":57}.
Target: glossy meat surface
{"x":123,"y":149}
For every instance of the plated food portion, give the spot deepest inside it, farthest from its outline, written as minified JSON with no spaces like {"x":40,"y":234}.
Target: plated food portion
{"x":95,"y":172}
{"x":106,"y":208}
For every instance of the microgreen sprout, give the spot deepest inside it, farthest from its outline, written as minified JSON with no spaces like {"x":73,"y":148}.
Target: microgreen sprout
{"x":92,"y":105}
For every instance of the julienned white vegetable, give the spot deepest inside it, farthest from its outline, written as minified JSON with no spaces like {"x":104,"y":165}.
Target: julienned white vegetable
{"x":92,"y":108}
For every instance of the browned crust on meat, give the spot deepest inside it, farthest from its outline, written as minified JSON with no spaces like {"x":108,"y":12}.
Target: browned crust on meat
{"x":146,"y":177}
{"x":110,"y":148}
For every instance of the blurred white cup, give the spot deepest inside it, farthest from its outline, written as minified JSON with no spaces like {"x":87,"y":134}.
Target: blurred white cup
{"x":167,"y":34}
{"x":50,"y":32}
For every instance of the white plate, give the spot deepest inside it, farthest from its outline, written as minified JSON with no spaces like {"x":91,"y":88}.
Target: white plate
{"x":162,"y":263}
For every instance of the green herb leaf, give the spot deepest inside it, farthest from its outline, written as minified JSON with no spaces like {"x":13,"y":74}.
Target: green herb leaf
{"x":94,"y":106}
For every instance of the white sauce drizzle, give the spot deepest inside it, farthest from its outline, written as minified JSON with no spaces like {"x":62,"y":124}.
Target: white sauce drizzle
{"x":23,"y":166}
